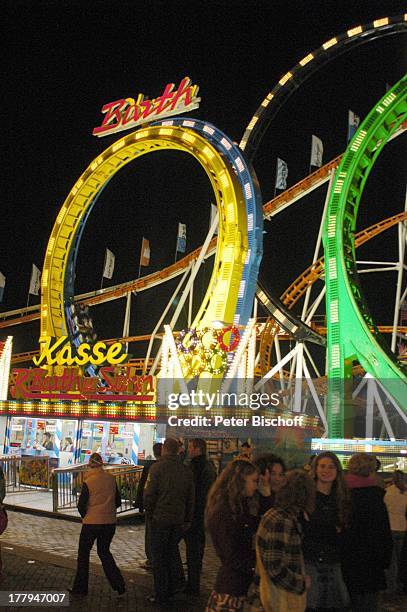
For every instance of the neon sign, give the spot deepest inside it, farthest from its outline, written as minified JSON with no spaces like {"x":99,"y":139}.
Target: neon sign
{"x":61,"y":353}
{"x":112,"y":385}
{"x":127,"y":113}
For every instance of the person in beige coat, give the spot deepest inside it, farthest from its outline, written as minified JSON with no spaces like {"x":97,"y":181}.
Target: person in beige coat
{"x":97,"y":505}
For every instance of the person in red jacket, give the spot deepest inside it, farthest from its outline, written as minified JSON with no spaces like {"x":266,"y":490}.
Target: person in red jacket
{"x":97,"y":505}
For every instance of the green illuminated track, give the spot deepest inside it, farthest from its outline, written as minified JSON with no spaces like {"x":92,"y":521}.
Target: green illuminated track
{"x":352,"y":334}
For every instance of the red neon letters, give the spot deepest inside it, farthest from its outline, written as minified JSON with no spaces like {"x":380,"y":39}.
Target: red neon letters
{"x":126,"y":113}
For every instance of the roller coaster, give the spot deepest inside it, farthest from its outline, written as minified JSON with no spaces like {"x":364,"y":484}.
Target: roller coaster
{"x":353,"y":342}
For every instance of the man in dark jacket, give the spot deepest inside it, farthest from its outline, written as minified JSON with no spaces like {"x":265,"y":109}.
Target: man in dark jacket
{"x":169,"y":501}
{"x":157,"y":449}
{"x":204,"y":477}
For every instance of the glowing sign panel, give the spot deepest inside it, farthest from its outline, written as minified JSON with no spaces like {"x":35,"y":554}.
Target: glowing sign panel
{"x":127,"y":113}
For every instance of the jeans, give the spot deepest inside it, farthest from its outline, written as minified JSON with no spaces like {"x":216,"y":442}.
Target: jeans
{"x":103,"y":534}
{"x":167,"y":566}
{"x":393,"y":577}
{"x":195,"y":547}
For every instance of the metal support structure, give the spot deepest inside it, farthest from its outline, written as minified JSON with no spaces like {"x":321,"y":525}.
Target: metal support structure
{"x":161,"y":319}
{"x":127,"y":316}
{"x":318,"y":242}
{"x":402,"y":235}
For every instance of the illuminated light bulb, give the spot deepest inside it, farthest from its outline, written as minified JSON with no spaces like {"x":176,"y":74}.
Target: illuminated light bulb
{"x":306,"y":59}
{"x":354,"y":31}
{"x":381,"y":22}
{"x":285,"y":78}
{"x":329,"y":43}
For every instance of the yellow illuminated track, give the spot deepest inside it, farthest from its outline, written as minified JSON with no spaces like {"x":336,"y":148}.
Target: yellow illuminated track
{"x":221,"y":297}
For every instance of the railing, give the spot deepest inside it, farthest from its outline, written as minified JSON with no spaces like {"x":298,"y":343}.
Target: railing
{"x":67,"y":484}
{"x":21,"y":473}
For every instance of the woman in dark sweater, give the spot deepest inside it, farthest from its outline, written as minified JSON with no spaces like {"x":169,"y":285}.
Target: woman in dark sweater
{"x":367,"y":541}
{"x":232,"y":529}
{"x":322,"y":533}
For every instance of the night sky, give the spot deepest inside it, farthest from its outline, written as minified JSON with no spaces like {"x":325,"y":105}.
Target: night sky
{"x":64,"y":60}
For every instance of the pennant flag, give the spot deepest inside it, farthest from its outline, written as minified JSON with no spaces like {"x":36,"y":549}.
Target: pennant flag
{"x":109,"y":264}
{"x":145,"y":252}
{"x":182,"y":238}
{"x":2,"y":285}
{"x":35,"y":281}
{"x":353,"y":124}
{"x":282,"y":174}
{"x":214,"y":211}
{"x":317,"y":152}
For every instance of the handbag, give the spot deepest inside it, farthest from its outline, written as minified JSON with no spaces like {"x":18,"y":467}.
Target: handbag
{"x":3,"y":520}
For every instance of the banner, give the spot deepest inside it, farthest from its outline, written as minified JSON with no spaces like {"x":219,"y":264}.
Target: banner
{"x":2,"y":285}
{"x":353,"y":124}
{"x":317,"y":152}
{"x":182,"y":238}
{"x":145,"y":252}
{"x":35,"y":281}
{"x":214,"y":211}
{"x":109,"y":264}
{"x":282,"y":174}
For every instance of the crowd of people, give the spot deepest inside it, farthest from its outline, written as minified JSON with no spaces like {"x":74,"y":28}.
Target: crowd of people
{"x":288,"y":541}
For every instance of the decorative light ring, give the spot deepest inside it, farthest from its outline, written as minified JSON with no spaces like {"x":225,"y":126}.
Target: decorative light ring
{"x":211,"y":342}
{"x":193,"y":340}
{"x":210,"y":357}
{"x":234,"y":331}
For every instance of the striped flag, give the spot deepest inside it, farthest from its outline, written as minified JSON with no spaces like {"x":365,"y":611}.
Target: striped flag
{"x":353,"y":124}
{"x":2,"y":285}
{"x":182,"y":238}
{"x":109,"y":264}
{"x":145,"y":252}
{"x":317,"y":151}
{"x":35,"y":281}
{"x":281,"y":174}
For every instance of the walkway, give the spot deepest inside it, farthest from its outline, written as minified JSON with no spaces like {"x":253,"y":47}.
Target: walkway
{"x":40,"y":553}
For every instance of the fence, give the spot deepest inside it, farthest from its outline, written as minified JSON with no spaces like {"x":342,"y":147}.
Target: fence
{"x":67,"y":484}
{"x":21,"y":473}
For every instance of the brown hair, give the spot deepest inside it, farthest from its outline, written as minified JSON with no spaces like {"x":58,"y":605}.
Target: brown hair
{"x":298,"y":493}
{"x":229,"y":489}
{"x":170,"y":446}
{"x":362,"y":464}
{"x":199,"y":443}
{"x":399,"y":480}
{"x":95,"y":460}
{"x":339,"y":488}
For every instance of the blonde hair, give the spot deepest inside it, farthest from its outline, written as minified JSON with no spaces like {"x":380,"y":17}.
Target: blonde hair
{"x":229,"y":488}
{"x":362,"y":464}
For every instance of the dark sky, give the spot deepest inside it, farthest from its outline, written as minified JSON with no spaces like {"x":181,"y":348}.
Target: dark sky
{"x":65,"y":60}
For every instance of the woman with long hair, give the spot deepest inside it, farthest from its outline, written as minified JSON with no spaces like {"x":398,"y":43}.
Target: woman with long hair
{"x":232,"y":529}
{"x":271,"y":479}
{"x":396,"y":503}
{"x":280,"y":582}
{"x":322,"y":533}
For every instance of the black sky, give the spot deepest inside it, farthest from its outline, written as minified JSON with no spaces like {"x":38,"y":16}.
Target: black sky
{"x":64,"y":60}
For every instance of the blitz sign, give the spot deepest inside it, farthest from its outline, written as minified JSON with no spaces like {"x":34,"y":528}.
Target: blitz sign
{"x":127,"y":113}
